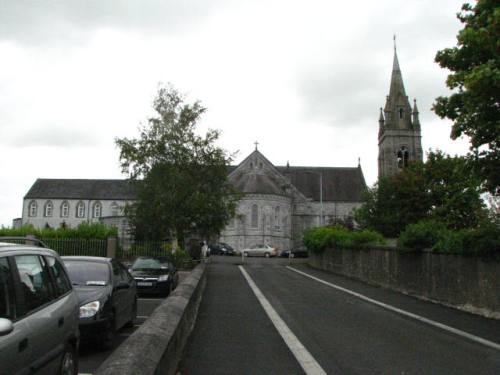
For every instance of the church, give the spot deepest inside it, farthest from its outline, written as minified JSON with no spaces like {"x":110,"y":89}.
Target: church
{"x":278,"y":203}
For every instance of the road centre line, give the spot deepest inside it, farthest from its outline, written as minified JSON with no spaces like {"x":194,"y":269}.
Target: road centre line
{"x":305,"y":359}
{"x":458,"y":332}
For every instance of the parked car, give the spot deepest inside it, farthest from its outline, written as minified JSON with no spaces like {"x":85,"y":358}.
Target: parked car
{"x":107,"y":297}
{"x":296,"y":253}
{"x":260,"y":250}
{"x":154,"y":275}
{"x":221,"y":249}
{"x":38,"y":312}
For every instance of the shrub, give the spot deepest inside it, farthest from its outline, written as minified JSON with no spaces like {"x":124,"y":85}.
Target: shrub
{"x":318,"y":239}
{"x":84,"y":230}
{"x":482,"y":241}
{"x":422,"y":235}
{"x":451,"y":241}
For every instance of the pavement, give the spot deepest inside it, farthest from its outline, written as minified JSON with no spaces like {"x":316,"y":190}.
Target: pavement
{"x":343,"y":333}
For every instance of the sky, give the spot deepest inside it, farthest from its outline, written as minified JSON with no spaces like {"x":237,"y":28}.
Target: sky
{"x":304,"y":78}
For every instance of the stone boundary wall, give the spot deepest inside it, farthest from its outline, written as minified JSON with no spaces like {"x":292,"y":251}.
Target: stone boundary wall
{"x":466,"y":283}
{"x":157,"y":346}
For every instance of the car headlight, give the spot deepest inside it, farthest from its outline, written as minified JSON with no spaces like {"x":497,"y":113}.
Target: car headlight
{"x":89,"y":309}
{"x":163,"y":278}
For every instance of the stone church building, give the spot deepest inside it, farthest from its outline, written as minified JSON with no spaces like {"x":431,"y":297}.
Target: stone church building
{"x":279,"y":202}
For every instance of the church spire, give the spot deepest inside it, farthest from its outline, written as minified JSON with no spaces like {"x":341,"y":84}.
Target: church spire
{"x":399,"y":138}
{"x":397,"y":86}
{"x":415,"y":120}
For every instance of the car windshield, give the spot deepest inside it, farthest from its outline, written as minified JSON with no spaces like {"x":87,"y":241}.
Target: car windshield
{"x":88,"y":273}
{"x":149,"y":264}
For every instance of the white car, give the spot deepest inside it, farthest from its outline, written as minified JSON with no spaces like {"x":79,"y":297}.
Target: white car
{"x":260,"y":251}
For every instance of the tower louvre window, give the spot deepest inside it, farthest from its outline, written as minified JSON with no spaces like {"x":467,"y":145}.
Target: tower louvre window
{"x":400,"y":113}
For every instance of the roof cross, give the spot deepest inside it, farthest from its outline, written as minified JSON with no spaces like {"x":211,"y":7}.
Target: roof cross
{"x":256,"y":145}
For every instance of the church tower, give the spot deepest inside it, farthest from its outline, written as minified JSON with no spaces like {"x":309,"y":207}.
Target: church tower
{"x":399,"y":139}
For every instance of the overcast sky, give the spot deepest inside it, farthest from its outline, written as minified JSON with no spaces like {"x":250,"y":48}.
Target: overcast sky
{"x":304,"y":78}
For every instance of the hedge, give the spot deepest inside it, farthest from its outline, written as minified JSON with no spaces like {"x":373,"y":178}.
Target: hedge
{"x":84,"y":230}
{"x":481,"y":241}
{"x":320,"y":238}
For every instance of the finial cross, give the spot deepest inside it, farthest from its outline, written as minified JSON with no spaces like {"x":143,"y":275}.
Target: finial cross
{"x":256,"y":145}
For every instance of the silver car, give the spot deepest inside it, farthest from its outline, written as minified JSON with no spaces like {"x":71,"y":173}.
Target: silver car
{"x":38,"y":313}
{"x":260,"y":250}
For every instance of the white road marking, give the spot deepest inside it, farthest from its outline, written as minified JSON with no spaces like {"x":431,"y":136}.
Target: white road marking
{"x":458,"y":332}
{"x":305,"y":359}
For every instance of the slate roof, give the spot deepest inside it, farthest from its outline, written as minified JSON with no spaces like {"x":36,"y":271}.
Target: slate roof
{"x":256,"y":184}
{"x":81,"y":189}
{"x":339,"y":184}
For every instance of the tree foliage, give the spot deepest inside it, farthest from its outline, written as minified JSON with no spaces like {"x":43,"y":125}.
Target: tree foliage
{"x":474,"y":105}
{"x":180,"y":177}
{"x":441,"y":189}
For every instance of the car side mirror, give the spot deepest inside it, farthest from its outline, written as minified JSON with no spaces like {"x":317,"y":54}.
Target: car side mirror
{"x":6,"y":326}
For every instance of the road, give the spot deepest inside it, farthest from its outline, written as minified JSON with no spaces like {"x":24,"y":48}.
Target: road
{"x":292,"y":324}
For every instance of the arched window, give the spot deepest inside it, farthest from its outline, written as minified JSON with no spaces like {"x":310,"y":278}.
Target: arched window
{"x":32,"y":209}
{"x":115,"y":209}
{"x":80,"y":210}
{"x":47,"y":209}
{"x":97,"y":209}
{"x":277,"y":217}
{"x":65,"y":209}
{"x":255,"y":216}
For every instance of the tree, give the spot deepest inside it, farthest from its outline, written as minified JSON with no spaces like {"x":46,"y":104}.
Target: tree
{"x":440,"y":189}
{"x":474,"y":106}
{"x":180,"y":177}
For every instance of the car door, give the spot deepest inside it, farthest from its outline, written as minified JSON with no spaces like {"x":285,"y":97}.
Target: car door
{"x":37,"y":297}
{"x":15,"y":356}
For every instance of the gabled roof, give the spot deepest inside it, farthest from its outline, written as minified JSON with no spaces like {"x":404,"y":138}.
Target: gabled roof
{"x":81,"y":189}
{"x":256,"y":184}
{"x":339,"y":184}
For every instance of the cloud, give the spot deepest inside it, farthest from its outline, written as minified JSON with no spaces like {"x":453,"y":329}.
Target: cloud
{"x":51,"y":136}
{"x":35,"y":22}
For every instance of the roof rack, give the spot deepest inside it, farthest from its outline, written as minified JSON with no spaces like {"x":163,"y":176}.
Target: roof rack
{"x":33,"y":241}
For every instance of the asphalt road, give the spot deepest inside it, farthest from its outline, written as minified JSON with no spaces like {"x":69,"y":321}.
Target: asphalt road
{"x":342,"y":333}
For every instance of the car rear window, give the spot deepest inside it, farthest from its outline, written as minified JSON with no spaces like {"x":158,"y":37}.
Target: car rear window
{"x":148,"y":264}
{"x":83,"y":272}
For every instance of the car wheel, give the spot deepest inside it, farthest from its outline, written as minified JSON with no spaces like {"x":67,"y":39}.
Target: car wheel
{"x":267,"y":255}
{"x":68,"y":362}
{"x":109,"y":335}
{"x":133,"y":317}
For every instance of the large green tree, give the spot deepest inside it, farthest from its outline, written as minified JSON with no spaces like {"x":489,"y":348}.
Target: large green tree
{"x":474,"y":105}
{"x":441,"y":188}
{"x":180,"y":176}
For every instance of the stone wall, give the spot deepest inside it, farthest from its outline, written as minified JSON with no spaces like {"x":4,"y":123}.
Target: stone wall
{"x":466,"y":283}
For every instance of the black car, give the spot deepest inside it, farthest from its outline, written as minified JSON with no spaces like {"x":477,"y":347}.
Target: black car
{"x":107,"y":295}
{"x":295,"y":254}
{"x":154,"y":275}
{"x":220,"y":249}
